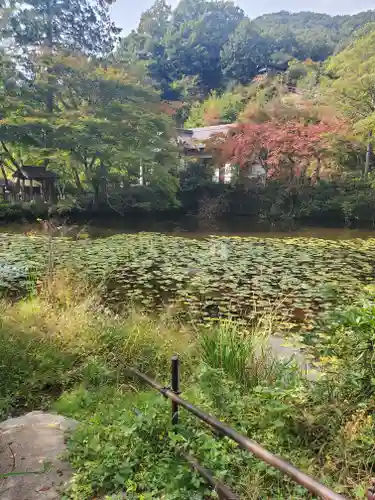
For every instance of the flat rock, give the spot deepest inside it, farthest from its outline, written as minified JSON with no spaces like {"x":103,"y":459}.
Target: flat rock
{"x":31,"y":448}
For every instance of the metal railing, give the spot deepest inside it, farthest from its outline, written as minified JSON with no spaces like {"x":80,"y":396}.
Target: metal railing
{"x":173,"y":393}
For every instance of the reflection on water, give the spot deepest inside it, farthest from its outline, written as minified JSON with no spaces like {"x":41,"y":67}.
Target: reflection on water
{"x":97,"y":231}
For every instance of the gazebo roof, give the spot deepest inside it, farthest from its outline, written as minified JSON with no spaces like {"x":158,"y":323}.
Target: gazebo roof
{"x":31,"y":172}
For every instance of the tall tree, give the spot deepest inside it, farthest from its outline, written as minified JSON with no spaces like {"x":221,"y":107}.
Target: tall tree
{"x":245,"y":52}
{"x":352,"y":85}
{"x":77,"y":25}
{"x":105,"y":121}
{"x":199,"y":30}
{"x":37,"y":30}
{"x":146,"y":46}
{"x":155,"y":21}
{"x":185,"y":43}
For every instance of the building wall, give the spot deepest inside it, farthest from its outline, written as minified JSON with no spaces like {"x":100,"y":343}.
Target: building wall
{"x":255,"y":172}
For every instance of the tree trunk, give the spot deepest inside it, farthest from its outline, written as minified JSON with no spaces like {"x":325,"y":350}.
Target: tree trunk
{"x":242,"y":174}
{"x":368,"y":154}
{"x":49,"y":96}
{"x":77,"y":180}
{"x":49,"y":100}
{"x":96,"y":188}
{"x":103,"y":180}
{"x":318,"y":169}
{"x":222,"y":174}
{"x":316,"y":174}
{"x":4,"y":175}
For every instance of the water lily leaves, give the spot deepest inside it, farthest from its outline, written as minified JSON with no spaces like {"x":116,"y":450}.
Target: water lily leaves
{"x":204,"y":278}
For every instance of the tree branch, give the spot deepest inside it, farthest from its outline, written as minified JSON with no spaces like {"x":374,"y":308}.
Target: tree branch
{"x":4,"y":174}
{"x":77,"y":179}
{"x":10,"y":156}
{"x":94,"y":158}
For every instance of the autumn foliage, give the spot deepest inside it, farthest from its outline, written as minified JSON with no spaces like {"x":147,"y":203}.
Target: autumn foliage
{"x":284,"y":148}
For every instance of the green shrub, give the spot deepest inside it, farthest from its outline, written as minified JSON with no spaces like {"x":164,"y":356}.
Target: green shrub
{"x":33,"y":372}
{"x":23,"y":211}
{"x":129,"y":447}
{"x":346,"y":347}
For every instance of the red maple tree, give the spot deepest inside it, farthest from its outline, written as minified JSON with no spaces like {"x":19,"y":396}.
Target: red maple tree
{"x":283,"y":148}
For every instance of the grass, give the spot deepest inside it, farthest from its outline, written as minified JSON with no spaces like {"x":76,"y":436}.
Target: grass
{"x":62,"y":349}
{"x":242,"y":354}
{"x":63,"y":336}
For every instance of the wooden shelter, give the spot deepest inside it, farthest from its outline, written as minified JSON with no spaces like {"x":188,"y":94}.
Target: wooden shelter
{"x":35,"y":182}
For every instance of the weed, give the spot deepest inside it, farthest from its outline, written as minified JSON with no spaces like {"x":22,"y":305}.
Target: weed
{"x":63,"y":336}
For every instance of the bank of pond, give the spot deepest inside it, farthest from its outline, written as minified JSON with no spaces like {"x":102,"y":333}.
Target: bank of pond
{"x":76,"y":312}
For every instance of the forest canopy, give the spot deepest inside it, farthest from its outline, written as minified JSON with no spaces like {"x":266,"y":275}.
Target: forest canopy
{"x":102,"y":112}
{"x":215,"y":43}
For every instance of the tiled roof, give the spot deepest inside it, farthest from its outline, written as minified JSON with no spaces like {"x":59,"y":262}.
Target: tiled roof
{"x":194,"y":138}
{"x":205,"y":133}
{"x":32,"y":172}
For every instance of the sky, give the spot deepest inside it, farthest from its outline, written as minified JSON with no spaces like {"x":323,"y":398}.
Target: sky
{"x":126,"y":13}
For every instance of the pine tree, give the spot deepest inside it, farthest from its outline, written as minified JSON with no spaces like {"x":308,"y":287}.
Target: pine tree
{"x":76,"y":25}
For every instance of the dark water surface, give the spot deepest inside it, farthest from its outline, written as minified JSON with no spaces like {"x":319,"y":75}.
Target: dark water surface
{"x":96,"y":231}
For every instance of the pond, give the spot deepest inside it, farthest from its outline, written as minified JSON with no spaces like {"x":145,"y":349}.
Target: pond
{"x":101,"y":231}
{"x":296,"y":277}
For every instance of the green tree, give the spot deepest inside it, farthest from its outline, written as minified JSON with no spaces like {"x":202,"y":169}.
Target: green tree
{"x":77,"y":25}
{"x":183,"y":43}
{"x":213,"y":42}
{"x":309,"y":34}
{"x":106,"y":124}
{"x":146,"y":46}
{"x":218,"y":109}
{"x":199,"y":30}
{"x":44,"y":27}
{"x":155,"y":21}
{"x":245,"y":52}
{"x":352,"y":85}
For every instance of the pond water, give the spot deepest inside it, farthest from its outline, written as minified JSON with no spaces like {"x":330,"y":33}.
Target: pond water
{"x":100,"y":231}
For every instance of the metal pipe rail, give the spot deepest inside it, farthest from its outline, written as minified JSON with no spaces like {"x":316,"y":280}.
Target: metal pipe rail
{"x":253,"y":447}
{"x":223,"y":492}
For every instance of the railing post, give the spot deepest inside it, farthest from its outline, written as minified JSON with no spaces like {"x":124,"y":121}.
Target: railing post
{"x":175,"y":386}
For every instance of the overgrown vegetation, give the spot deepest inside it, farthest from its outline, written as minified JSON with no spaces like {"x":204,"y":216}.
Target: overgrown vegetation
{"x":125,"y":442}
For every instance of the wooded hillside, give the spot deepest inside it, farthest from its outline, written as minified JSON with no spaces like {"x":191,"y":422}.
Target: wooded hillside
{"x":101,"y":111}
{"x":203,"y":45}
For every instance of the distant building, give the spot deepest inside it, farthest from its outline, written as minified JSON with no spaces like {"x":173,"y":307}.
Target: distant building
{"x":272,"y":69}
{"x":192,"y":143}
{"x":33,"y":182}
